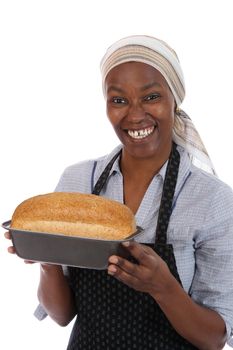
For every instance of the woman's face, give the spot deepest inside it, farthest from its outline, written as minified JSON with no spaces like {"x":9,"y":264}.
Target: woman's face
{"x":140,"y":107}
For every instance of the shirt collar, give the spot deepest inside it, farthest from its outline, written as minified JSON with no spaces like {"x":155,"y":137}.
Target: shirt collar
{"x":184,"y":169}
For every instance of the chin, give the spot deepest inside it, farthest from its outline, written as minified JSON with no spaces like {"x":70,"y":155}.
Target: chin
{"x":143,"y":152}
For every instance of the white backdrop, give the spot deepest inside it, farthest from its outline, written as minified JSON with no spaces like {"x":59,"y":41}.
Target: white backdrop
{"x":52,"y":111}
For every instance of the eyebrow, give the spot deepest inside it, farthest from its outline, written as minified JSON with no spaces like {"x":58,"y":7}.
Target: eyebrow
{"x":143,"y":88}
{"x":150,"y":85}
{"x":114,"y":88}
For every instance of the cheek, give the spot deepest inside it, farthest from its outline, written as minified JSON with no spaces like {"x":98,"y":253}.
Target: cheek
{"x":108,"y":112}
{"x":163,"y":114}
{"x":114,"y":115}
{"x":169,"y":120}
{"x":167,"y":109}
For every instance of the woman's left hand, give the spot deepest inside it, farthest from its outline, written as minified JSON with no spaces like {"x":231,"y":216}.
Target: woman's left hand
{"x":150,"y":275}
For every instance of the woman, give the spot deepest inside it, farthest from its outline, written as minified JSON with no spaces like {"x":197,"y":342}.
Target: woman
{"x":176,"y":292}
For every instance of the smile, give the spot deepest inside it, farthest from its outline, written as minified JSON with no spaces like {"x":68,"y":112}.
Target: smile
{"x":140,"y":134}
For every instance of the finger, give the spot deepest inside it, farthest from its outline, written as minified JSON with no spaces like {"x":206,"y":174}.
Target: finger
{"x":7,"y":235}
{"x":29,"y":262}
{"x":139,"y":251}
{"x":124,"y":264}
{"x":123,"y":276}
{"x":11,"y":250}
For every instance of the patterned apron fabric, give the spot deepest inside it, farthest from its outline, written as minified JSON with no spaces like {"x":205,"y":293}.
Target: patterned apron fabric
{"x":110,"y":315}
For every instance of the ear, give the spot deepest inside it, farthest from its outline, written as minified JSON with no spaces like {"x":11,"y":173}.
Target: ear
{"x":177,"y":110}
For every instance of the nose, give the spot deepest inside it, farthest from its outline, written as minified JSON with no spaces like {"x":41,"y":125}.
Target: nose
{"x":136,"y":112}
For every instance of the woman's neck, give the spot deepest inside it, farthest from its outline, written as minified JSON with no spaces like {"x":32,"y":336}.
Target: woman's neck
{"x":142,"y":168}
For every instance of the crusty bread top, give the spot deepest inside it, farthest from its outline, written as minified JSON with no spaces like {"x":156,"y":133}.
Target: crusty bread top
{"x":84,"y":215}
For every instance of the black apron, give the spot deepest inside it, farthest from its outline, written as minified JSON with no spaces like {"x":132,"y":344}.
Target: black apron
{"x":111,"y":315}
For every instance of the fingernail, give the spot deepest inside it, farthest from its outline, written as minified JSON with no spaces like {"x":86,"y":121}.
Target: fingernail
{"x":112,"y":270}
{"x":126,"y":244}
{"x":113,"y":260}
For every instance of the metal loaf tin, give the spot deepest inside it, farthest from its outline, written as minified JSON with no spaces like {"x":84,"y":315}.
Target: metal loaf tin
{"x":66,"y":250}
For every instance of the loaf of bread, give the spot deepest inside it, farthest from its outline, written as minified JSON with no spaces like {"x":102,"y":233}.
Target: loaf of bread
{"x":75,"y":214}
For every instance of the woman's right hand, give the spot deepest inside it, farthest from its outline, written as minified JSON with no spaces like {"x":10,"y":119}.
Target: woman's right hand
{"x":11,"y":249}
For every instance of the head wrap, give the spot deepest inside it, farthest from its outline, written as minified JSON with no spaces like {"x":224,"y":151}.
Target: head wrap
{"x":156,"y":53}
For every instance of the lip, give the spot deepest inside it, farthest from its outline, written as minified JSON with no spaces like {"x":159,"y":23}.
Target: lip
{"x":140,"y":138}
{"x":142,"y":127}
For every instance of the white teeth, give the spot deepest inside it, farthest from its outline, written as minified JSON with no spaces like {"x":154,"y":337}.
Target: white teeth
{"x":140,"y":134}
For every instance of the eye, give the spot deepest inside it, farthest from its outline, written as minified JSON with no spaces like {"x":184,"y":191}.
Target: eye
{"x":151,"y":97}
{"x":118,"y":100}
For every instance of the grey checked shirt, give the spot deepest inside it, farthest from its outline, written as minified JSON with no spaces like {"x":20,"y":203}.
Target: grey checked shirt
{"x":200,"y":228}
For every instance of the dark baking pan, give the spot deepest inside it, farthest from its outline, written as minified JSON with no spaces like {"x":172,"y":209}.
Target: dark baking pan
{"x":66,"y":250}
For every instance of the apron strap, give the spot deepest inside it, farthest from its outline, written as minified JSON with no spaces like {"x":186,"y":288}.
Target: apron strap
{"x":104,"y":176}
{"x":169,"y":186}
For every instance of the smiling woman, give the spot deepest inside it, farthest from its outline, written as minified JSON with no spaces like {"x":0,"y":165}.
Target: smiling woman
{"x":174,"y":292}
{"x":140,"y":106}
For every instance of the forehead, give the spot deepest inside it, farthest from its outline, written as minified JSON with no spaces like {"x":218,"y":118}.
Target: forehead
{"x":134,"y":73}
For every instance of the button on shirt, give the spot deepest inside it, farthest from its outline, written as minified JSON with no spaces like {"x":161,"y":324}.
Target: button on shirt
{"x":200,"y":227}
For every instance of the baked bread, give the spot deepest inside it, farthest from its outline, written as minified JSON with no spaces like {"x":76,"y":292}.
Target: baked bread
{"x":75,"y":214}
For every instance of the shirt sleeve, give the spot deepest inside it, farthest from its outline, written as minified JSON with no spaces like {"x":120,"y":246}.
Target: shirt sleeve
{"x":212,"y":284}
{"x":40,"y":313}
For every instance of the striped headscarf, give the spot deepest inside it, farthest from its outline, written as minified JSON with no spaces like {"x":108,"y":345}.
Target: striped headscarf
{"x":156,"y":53}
